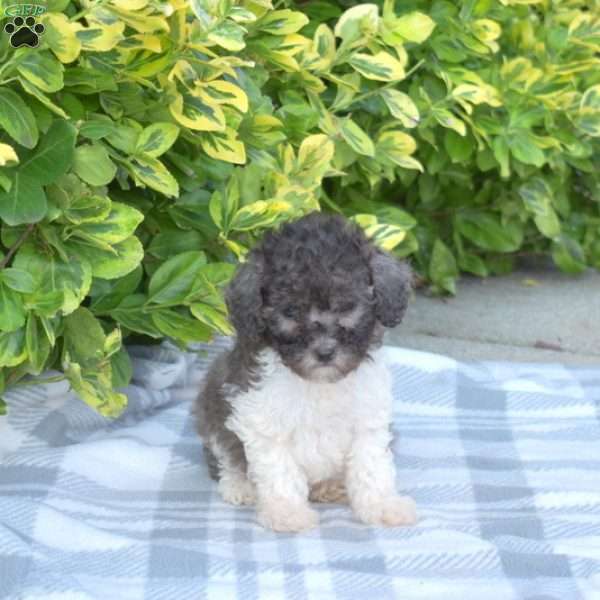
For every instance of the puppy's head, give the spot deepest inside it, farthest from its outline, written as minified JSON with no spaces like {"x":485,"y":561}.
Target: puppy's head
{"x":319,"y":293}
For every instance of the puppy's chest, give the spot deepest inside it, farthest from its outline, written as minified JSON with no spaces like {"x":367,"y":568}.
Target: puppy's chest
{"x":323,"y":434}
{"x":316,"y":423}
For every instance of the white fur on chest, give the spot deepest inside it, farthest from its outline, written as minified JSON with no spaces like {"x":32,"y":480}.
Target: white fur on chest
{"x":315,"y":422}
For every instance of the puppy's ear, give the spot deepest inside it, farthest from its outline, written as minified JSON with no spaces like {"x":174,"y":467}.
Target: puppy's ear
{"x":392,"y":282}
{"x":244,"y":298}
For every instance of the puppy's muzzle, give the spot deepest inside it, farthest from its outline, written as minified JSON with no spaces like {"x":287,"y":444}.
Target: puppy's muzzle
{"x":325,"y":351}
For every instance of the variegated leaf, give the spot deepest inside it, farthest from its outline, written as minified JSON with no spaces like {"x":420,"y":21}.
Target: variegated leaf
{"x":197,"y":114}
{"x":156,"y":139}
{"x":381,"y":66}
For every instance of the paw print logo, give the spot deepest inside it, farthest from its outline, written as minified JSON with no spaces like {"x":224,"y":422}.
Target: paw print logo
{"x":24,"y":32}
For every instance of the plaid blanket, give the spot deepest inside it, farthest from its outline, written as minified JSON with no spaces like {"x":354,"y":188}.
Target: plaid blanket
{"x":502,"y":459}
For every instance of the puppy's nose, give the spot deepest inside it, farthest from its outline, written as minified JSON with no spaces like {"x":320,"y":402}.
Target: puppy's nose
{"x":325,"y":354}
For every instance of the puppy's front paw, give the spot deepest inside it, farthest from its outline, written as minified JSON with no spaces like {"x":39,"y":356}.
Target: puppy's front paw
{"x":238,"y":491}
{"x":286,"y":516}
{"x":392,"y":511}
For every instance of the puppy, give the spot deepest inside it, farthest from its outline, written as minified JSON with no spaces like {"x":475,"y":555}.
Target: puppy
{"x":300,"y":408}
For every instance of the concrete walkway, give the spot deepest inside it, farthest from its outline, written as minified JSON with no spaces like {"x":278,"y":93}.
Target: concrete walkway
{"x":537,"y":314}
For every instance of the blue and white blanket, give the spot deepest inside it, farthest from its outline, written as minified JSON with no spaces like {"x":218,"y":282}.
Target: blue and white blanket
{"x":502,"y":459}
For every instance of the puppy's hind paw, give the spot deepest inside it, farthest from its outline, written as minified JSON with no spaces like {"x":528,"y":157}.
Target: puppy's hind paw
{"x":288,"y":517}
{"x":393,"y":511}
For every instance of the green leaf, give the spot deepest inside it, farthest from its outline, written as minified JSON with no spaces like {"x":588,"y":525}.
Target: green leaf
{"x":96,"y":129}
{"x":93,"y":164}
{"x":88,"y":209}
{"x":485,"y":231}
{"x":17,"y":279}
{"x":522,"y":146}
{"x":471,"y":263}
{"x":54,"y":155}
{"x":169,"y":243}
{"x":118,"y":262}
{"x":568,"y":255}
{"x":121,"y":367}
{"x":129,"y":313}
{"x":537,"y":196}
{"x":173,"y":281}
{"x":17,"y":119}
{"x":25,"y":202}
{"x":59,"y":284}
{"x":37,"y":344}
{"x":12,"y":312}
{"x":180,"y":326}
{"x":36,"y":93}
{"x":43,"y":70}
{"x":157,"y":138}
{"x":401,"y":107}
{"x":442,"y":267}
{"x":356,"y":138}
{"x":84,"y":336}
{"x":459,"y":148}
{"x":12,"y":348}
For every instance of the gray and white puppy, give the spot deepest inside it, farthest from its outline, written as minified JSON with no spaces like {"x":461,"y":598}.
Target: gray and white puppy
{"x":300,"y":409}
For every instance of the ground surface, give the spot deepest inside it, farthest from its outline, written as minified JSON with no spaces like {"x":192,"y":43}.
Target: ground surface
{"x":534,"y":315}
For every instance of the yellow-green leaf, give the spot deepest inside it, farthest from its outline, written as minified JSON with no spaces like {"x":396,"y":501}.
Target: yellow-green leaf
{"x":228,"y":35}
{"x":7,"y":155}
{"x":414,"y":27}
{"x":155,"y":175}
{"x":477,"y":94}
{"x":156,"y":139}
{"x":100,"y":37}
{"x":141,"y":20}
{"x":356,"y":138}
{"x":446,"y":119}
{"x":385,"y":236}
{"x":224,"y":92}
{"x":358,"y":21}
{"x":61,"y":36}
{"x":401,"y":106}
{"x":324,"y":46}
{"x":224,"y":146}
{"x":211,"y":317}
{"x":195,"y":113}
{"x":381,"y":67}
{"x":486,"y":30}
{"x":43,"y":70}
{"x":282,"y":22}
{"x":258,"y":214}
{"x":315,"y":154}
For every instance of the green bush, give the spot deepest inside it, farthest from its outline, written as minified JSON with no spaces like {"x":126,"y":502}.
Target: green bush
{"x":145,"y":145}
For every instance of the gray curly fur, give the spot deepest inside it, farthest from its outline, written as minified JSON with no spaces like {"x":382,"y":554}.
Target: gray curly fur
{"x":320,"y":263}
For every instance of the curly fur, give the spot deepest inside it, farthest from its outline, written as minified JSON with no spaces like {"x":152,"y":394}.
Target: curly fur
{"x":301,"y":406}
